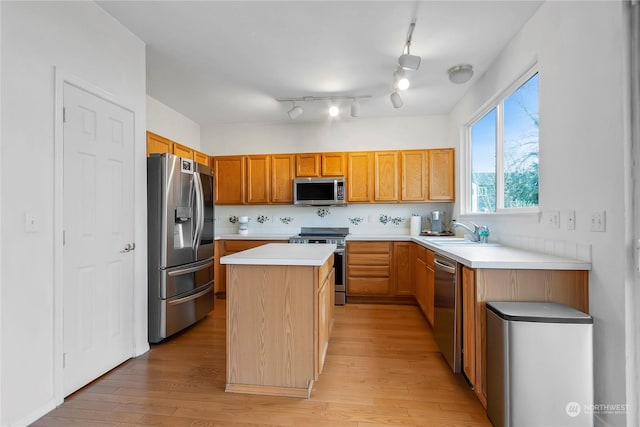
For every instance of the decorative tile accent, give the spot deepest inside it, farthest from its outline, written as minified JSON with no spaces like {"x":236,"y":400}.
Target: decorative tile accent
{"x":286,"y":220}
{"x":233,"y":219}
{"x":262,"y":219}
{"x":356,"y":220}
{"x":385,"y":219}
{"x":322,"y":212}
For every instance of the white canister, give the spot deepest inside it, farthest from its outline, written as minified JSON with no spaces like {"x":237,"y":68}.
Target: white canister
{"x":415,"y":225}
{"x":243,"y":225}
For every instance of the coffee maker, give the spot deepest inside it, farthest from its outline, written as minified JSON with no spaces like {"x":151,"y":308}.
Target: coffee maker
{"x":438,"y":221}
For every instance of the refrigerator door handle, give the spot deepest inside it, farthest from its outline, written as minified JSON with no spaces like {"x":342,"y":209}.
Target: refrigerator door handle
{"x":199,"y":208}
{"x":192,"y":297}
{"x":189,"y":269}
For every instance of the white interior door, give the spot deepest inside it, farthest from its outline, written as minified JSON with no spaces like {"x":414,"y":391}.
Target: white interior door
{"x":98,"y":221}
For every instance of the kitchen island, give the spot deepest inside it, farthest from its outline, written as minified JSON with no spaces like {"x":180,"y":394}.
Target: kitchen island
{"x":279,"y":317}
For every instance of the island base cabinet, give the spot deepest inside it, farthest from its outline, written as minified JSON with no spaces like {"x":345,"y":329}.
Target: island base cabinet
{"x":279,"y":320}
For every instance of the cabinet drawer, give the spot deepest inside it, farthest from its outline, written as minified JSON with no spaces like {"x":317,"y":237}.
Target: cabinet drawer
{"x":368,"y":271}
{"x":367,"y":259}
{"x":369,"y":247}
{"x":324,"y":270}
{"x":368,"y":286}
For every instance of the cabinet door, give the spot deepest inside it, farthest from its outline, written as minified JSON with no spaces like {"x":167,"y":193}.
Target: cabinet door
{"x":430,"y":277}
{"x":229,"y":180}
{"x":402,"y":268}
{"x":441,"y":175}
{"x":282,"y":173}
{"x":413,"y":175}
{"x":334,"y":164}
{"x":201,"y":158}
{"x":420,"y":274}
{"x":324,"y":321}
{"x":360,"y":181}
{"x":469,"y":324}
{"x":158,"y":144}
{"x":182,"y":151}
{"x":386,"y":176}
{"x":258,"y":179}
{"x":308,"y":164}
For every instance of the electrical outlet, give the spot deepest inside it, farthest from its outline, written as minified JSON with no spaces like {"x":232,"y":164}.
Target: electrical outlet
{"x":598,"y":221}
{"x":553,"y":219}
{"x":30,"y":223}
{"x":571,"y":220}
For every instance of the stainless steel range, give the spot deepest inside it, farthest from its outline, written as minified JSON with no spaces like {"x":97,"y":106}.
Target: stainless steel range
{"x":335,"y":235}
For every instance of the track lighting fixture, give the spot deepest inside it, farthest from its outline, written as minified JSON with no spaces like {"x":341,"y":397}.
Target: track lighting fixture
{"x":406,"y":60}
{"x":396,"y":101}
{"x":400,"y":80}
{"x":334,"y":110}
{"x":460,"y":73}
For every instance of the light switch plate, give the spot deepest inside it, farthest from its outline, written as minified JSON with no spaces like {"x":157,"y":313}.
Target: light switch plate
{"x":30,"y":223}
{"x":598,"y":221}
{"x":571,"y":220}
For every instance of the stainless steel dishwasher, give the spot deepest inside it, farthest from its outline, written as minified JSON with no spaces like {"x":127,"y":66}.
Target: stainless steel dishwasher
{"x":447,"y":319}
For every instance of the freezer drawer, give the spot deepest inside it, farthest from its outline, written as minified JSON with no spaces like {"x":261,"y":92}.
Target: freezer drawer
{"x":539,"y":365}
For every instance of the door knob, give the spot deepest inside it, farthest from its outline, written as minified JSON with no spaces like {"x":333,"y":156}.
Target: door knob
{"x":128,"y":248}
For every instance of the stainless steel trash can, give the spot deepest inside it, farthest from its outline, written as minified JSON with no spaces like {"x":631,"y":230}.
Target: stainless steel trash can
{"x":539,"y":365}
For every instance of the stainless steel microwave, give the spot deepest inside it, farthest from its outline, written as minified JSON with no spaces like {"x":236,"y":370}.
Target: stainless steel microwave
{"x":319,"y":191}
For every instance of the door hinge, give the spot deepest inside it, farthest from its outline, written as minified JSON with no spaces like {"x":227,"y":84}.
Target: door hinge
{"x":64,"y":360}
{"x":64,"y":115}
{"x":64,"y":237}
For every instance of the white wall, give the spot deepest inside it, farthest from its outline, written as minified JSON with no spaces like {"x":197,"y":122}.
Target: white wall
{"x":167,"y":122}
{"x":78,"y":38}
{"x":579,"y":47}
{"x":360,"y":134}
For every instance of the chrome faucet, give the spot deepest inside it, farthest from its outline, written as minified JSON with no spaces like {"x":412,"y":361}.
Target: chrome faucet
{"x":479,"y":233}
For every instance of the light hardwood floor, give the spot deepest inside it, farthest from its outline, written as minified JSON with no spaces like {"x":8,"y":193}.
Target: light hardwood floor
{"x":382,"y":369}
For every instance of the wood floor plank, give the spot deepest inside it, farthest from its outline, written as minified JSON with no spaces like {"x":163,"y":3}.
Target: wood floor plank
{"x":382,"y":368}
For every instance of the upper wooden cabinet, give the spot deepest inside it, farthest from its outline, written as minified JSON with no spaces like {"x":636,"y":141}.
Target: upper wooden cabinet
{"x":334,"y":164}
{"x":183,"y":151}
{"x":158,"y":144}
{"x":308,"y":164}
{"x":413,"y":175}
{"x":321,"y":164}
{"x":360,"y":181}
{"x":201,"y":158}
{"x":258,"y":179}
{"x":385,"y":176}
{"x":229,"y":179}
{"x":282,"y":174}
{"x":441,"y":175}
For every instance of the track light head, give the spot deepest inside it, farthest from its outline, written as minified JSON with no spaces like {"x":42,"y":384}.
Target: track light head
{"x":355,"y":108}
{"x":400,"y":80}
{"x":334,"y":111}
{"x":409,"y":62}
{"x":396,"y":101}
{"x":295,"y":112}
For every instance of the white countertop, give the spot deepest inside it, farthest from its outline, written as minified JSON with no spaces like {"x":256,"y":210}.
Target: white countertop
{"x":473,"y":256}
{"x":282,"y":254}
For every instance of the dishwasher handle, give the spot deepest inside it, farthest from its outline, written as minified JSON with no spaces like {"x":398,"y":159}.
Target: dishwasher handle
{"x":443,"y":265}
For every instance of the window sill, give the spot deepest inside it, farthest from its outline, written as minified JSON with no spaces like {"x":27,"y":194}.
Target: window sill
{"x":504,"y":214}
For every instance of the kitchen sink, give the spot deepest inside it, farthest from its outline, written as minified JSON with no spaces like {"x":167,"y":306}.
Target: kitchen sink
{"x":457,"y":241}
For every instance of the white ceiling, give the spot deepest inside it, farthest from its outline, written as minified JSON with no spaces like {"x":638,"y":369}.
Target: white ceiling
{"x":227,"y":61}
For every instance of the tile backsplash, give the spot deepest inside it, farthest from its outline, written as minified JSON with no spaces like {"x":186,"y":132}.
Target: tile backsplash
{"x":360,"y":218}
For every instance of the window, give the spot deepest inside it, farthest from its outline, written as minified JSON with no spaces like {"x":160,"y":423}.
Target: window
{"x":503,"y":152}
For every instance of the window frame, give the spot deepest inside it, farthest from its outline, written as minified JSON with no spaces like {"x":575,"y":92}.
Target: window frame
{"x":497,"y":103}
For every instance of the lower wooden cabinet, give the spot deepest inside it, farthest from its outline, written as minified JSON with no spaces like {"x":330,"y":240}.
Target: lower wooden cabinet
{"x":369,"y":268}
{"x":228,"y":247}
{"x":402,"y":268}
{"x":570,"y":287}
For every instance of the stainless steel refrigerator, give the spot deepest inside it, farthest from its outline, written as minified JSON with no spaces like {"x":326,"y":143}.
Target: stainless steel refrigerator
{"x":181,"y":241}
